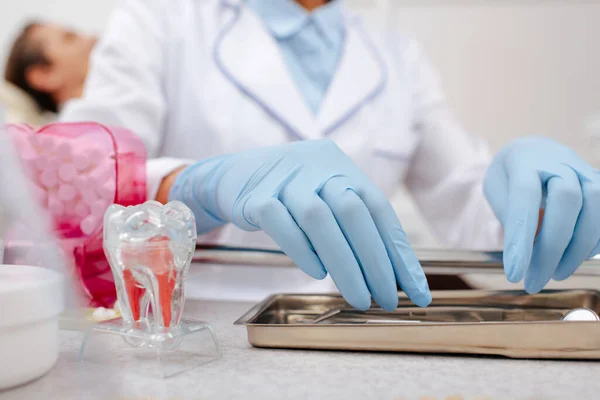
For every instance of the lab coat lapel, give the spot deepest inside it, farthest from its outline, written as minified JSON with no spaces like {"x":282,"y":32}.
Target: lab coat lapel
{"x":360,"y":78}
{"x":250,"y":58}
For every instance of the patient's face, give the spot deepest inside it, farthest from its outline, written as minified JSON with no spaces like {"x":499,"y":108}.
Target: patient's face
{"x":68,"y":52}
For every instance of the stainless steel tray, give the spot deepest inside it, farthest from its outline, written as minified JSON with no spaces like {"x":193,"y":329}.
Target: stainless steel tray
{"x":505,"y":323}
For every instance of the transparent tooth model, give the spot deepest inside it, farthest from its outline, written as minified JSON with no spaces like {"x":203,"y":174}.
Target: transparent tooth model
{"x":149,"y":248}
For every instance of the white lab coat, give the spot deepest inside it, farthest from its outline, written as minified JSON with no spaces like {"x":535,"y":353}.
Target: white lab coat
{"x":196,"y":79}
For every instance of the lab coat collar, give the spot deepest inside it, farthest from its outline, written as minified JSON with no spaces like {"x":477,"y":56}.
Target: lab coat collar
{"x":360,"y":77}
{"x":263,"y":76}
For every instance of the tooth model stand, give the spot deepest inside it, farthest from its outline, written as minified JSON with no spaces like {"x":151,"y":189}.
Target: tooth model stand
{"x":149,"y":248}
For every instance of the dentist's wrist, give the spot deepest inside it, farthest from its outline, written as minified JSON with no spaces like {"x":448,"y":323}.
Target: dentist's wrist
{"x":197,"y":187}
{"x":162,"y":195}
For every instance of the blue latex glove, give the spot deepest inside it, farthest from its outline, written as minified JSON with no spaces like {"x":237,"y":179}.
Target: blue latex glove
{"x":533,"y":173}
{"x":321,"y":210}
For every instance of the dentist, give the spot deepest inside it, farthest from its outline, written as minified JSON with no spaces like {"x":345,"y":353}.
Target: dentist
{"x":293,"y":119}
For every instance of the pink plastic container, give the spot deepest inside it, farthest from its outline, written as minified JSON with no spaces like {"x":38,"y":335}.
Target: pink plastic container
{"x":78,"y":170}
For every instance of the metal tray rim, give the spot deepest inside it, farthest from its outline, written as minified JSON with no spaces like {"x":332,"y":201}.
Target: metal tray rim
{"x":260,"y":307}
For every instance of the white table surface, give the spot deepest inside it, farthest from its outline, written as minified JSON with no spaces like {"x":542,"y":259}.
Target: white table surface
{"x":245,"y":372}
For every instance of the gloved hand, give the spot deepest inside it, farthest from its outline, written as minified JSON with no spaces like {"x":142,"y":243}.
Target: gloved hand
{"x":533,"y":173}
{"x":321,"y":210}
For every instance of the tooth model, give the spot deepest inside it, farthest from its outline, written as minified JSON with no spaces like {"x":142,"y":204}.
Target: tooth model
{"x":149,"y":248}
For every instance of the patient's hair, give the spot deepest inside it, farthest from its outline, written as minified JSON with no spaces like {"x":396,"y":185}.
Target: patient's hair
{"x":24,"y":54}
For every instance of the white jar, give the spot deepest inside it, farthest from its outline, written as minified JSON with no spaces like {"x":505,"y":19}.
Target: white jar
{"x":31,"y":300}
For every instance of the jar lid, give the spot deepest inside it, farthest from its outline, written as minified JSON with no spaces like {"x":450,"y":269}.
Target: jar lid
{"x":29,"y":294}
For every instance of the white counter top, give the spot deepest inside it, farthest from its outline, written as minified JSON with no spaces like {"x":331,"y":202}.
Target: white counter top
{"x":246,"y":372}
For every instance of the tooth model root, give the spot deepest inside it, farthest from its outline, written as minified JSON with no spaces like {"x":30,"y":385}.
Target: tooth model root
{"x":150,"y":248}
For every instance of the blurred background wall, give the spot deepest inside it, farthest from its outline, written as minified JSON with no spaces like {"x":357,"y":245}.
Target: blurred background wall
{"x":509,"y":67}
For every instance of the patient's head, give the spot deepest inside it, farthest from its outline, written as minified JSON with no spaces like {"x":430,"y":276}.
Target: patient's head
{"x":50,"y":63}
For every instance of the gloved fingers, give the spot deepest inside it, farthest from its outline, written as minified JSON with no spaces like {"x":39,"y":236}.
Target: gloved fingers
{"x":563,"y":205}
{"x":520,"y":222}
{"x":361,"y":233}
{"x":407,"y":269}
{"x":586,"y":235}
{"x":275,"y":220}
{"x":316,"y":220}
